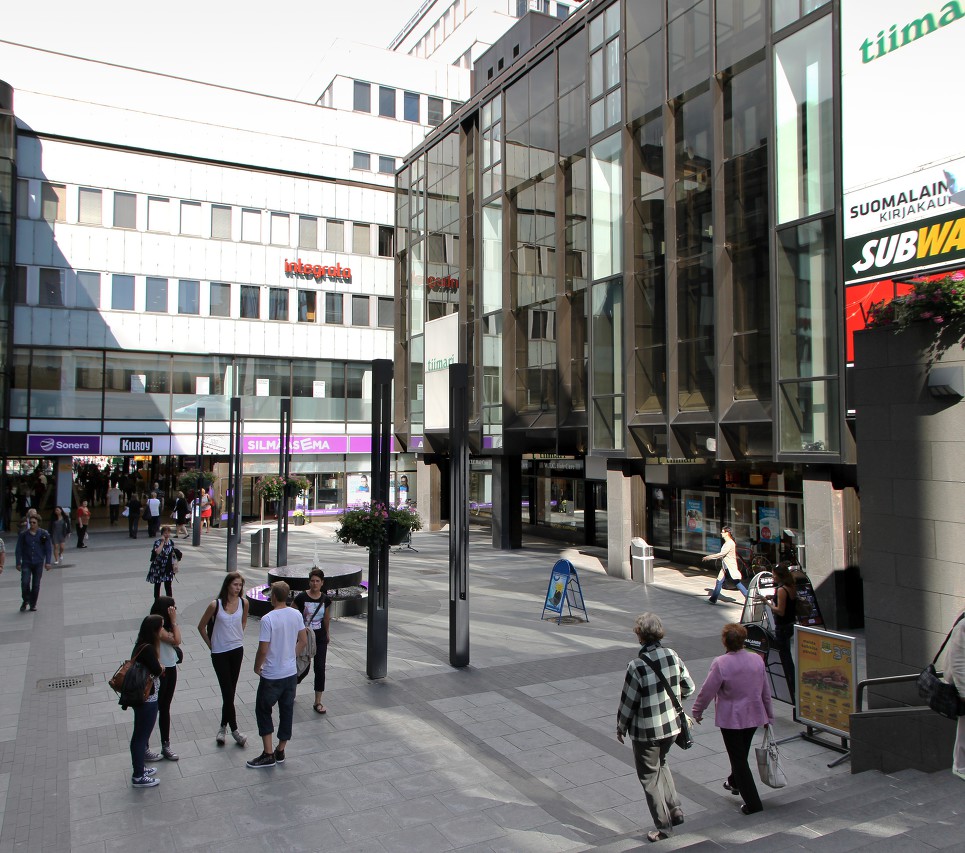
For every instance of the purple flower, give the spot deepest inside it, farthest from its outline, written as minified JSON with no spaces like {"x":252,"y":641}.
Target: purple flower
{"x":926,"y":314}
{"x":939,"y":320}
{"x":958,"y":276}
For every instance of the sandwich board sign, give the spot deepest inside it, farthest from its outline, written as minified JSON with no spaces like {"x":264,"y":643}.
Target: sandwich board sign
{"x":564,"y":590}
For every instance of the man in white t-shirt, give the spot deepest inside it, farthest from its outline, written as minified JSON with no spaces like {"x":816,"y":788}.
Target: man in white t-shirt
{"x":281,"y":640}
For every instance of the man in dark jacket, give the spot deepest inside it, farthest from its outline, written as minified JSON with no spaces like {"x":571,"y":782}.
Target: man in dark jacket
{"x":34,"y":555}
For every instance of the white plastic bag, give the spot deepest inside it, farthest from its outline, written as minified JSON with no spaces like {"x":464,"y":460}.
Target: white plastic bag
{"x":769,"y":761}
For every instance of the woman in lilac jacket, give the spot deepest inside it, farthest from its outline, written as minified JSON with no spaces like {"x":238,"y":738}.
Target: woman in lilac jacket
{"x":737,"y":685}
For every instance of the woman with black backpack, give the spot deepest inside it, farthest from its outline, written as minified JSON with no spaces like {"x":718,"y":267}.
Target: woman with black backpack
{"x":146,"y":652}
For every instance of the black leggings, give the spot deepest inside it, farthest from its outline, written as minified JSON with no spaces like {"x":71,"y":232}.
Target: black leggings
{"x":165,"y":695}
{"x":227,"y":666}
{"x":321,"y":652}
{"x":167,"y":590}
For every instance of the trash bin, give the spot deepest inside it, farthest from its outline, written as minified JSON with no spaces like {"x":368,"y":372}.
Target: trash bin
{"x":260,"y":547}
{"x":641,"y":560}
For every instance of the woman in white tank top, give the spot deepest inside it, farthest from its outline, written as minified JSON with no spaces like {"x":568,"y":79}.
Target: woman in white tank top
{"x":222,"y":627}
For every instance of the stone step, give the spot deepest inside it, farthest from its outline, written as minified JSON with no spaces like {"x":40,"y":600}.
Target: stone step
{"x":904,"y":811}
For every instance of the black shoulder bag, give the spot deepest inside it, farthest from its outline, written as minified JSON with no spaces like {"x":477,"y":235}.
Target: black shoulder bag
{"x":685,"y":738}
{"x":941,"y":696}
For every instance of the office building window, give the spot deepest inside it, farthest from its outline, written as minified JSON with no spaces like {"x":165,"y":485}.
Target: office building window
{"x":220,"y":222}
{"x":335,"y":235}
{"x":51,"y":288}
{"x":307,"y":302}
{"x":410,"y":106}
{"x":251,"y":226}
{"x":307,"y":232}
{"x":189,"y":297}
{"x":387,"y":165}
{"x":360,"y":310}
{"x":333,"y":308}
{"x":279,"y":229}
{"x":606,"y":210}
{"x":386,"y":241}
{"x":54,"y":202}
{"x":278,"y":303}
{"x":220,"y":299}
{"x":435,"y":111}
{"x":156,"y":296}
{"x":386,"y":102}
{"x":562,"y":11}
{"x":91,"y":207}
{"x":122,"y":292}
{"x":361,"y":160}
{"x":23,"y":198}
{"x":125,"y":210}
{"x":361,"y":239}
{"x":362,"y":102}
{"x":191,"y":218}
{"x":386,"y":313}
{"x":88,"y":294}
{"x":250,"y":302}
{"x":158,"y":217}
{"x":20,"y":290}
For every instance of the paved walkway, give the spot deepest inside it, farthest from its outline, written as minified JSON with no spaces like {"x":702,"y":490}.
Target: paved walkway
{"x":514,"y":753}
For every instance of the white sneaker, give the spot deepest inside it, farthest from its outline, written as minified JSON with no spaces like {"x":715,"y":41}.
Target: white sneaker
{"x":221,"y":735}
{"x":240,"y":739}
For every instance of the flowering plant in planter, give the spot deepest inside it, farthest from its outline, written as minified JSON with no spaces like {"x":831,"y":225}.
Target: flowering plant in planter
{"x":273,"y":488}
{"x":368,"y":525}
{"x":936,"y":299}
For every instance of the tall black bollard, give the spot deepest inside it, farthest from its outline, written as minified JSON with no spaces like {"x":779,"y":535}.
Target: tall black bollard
{"x":234,"y":484}
{"x":459,"y":515}
{"x":377,"y":638}
{"x":284,"y":468}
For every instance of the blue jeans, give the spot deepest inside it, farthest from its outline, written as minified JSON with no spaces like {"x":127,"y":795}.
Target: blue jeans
{"x":270,"y":692}
{"x":145,"y":715}
{"x":29,"y":593}
{"x":720,"y":585}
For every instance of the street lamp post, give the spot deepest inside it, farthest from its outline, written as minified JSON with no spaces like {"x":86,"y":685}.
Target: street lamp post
{"x":284,"y":468}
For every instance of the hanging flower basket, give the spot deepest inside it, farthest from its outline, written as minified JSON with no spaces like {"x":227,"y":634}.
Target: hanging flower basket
{"x":372,"y":524}
{"x":275,"y":487}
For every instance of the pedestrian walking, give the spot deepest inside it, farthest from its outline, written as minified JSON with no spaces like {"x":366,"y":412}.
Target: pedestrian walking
{"x":737,"y":686}
{"x":181,"y":513}
{"x":280,"y":641}
{"x":316,"y":610}
{"x":147,"y":649}
{"x":153,"y":515}
{"x":169,"y":648}
{"x":955,"y":674}
{"x":164,"y":562}
{"x":783,"y":608}
{"x":647,"y":714}
{"x":83,"y":520}
{"x":34,"y":554}
{"x":222,"y":627}
{"x":133,"y":515}
{"x":59,"y":533}
{"x":114,"y":502}
{"x":729,"y":568}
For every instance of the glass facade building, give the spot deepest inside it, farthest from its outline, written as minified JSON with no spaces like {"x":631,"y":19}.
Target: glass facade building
{"x":639,"y":225}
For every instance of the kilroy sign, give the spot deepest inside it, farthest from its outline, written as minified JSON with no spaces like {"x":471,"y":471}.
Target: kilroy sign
{"x":136,"y":445}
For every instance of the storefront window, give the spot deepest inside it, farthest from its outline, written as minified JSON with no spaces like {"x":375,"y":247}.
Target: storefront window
{"x":698,"y":526}
{"x":138,"y":387}
{"x":202,"y":381}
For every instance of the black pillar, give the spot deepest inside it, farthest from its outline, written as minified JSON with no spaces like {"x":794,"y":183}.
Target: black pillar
{"x":284,"y":468}
{"x":459,"y":515}
{"x":234,"y":484}
{"x":196,"y":505}
{"x":377,"y":638}
{"x":507,"y":506}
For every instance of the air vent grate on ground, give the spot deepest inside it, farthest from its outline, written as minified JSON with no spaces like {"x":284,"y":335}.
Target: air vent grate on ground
{"x":65,"y":682}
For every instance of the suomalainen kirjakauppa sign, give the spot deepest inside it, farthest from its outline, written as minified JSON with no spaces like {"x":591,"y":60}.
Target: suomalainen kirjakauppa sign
{"x":906,"y":225}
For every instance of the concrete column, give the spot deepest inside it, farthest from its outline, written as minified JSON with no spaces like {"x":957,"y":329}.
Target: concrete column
{"x":428,"y":481}
{"x":619,"y":508}
{"x":507,"y":511}
{"x":827,"y":560}
{"x":64,"y":467}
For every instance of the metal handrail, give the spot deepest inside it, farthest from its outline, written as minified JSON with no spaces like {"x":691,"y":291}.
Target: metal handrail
{"x":891,"y":679}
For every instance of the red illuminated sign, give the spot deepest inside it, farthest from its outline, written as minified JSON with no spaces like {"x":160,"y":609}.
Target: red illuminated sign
{"x":442,"y":283}
{"x":317,"y":271}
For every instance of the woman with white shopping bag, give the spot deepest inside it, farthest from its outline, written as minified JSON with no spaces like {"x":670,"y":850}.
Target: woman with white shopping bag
{"x":737,"y":686}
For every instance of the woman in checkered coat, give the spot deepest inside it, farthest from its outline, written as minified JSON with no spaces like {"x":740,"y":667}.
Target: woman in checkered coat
{"x":647,"y":714}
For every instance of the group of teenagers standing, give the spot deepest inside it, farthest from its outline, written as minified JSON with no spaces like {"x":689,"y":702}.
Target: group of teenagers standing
{"x":282,"y":637}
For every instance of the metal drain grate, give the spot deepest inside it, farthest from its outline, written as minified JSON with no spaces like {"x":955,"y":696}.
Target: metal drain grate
{"x":65,"y":682}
